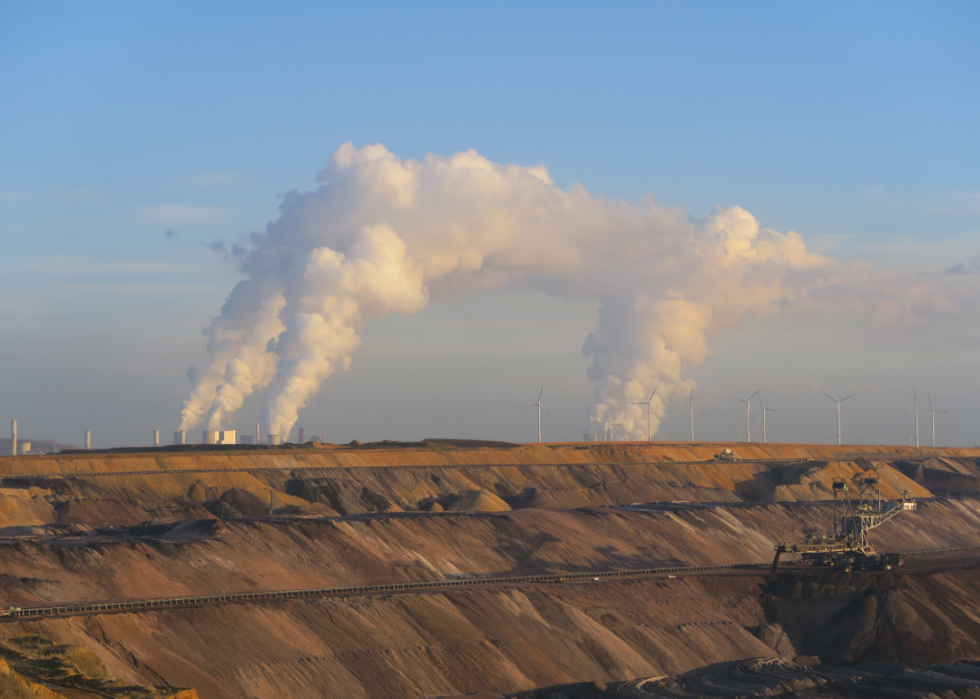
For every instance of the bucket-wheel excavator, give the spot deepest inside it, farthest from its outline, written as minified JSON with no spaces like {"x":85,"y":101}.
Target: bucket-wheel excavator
{"x":847,"y":547}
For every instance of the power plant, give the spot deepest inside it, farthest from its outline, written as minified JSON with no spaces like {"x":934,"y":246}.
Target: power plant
{"x":218,"y":437}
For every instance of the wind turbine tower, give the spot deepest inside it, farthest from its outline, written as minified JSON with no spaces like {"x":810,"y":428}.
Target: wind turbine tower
{"x":838,"y":411}
{"x":765,"y":437}
{"x":748,"y":414}
{"x":934,"y":410}
{"x":538,"y":406}
{"x":693,"y":408}
{"x":915,"y":407}
{"x":649,"y":405}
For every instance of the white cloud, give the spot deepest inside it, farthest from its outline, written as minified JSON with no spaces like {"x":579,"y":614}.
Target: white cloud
{"x":83,"y":195}
{"x":387,"y":234}
{"x":182,"y":214}
{"x":216,"y":180}
{"x":954,"y":203}
{"x":81,"y":266}
{"x":824,"y":243}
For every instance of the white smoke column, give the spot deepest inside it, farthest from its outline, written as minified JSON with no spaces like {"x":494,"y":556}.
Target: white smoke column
{"x":237,"y":341}
{"x":382,"y":235}
{"x":253,"y":366}
{"x":327,"y":305}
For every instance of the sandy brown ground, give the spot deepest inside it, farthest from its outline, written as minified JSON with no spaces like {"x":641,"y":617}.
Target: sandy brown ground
{"x":347,"y":516}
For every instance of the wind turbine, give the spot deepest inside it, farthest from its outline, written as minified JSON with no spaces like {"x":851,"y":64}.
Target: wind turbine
{"x":538,"y":405}
{"x":693,"y":408}
{"x":748,"y":414}
{"x":765,"y":437}
{"x":650,"y":414}
{"x":934,"y":410}
{"x":610,"y":431}
{"x":915,"y":407}
{"x":838,"y":411}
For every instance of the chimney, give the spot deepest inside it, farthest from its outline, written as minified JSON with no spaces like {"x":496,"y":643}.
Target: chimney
{"x":88,"y":439}
{"x":13,"y":437}
{"x":257,"y":438}
{"x":156,"y":438}
{"x":301,"y":440}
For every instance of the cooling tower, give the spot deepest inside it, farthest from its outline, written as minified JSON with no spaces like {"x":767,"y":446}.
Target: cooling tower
{"x":274,"y":439}
{"x":156,"y":438}
{"x":209,"y":437}
{"x":179,"y":437}
{"x":301,"y":440}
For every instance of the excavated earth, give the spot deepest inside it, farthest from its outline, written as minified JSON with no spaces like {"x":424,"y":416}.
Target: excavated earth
{"x":162,"y":523}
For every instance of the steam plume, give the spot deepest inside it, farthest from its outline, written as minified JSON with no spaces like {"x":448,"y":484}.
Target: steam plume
{"x":381,"y":235}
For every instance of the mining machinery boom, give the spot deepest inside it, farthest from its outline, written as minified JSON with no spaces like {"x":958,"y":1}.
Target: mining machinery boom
{"x":847,"y":546}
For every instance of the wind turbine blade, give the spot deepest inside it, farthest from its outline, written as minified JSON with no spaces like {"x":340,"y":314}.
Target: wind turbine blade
{"x":654,"y":393}
{"x":738,"y":399}
{"x":754,"y":395}
{"x":758,"y":413}
{"x":547,"y":413}
{"x":533,"y":405}
{"x":831,"y":397}
{"x":772,"y":410}
{"x":850,"y":396}
{"x":700,"y":411}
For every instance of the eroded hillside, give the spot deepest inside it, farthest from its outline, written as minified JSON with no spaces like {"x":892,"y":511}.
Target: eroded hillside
{"x":158,"y":524}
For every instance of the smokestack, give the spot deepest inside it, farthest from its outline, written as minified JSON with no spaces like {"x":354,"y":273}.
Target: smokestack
{"x":156,"y":438}
{"x":179,"y":436}
{"x":88,"y":439}
{"x":13,"y":437}
{"x":274,"y":439}
{"x":258,"y":439}
{"x":301,"y":440}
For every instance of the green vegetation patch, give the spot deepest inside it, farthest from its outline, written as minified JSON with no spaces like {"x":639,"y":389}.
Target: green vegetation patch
{"x":38,"y":659}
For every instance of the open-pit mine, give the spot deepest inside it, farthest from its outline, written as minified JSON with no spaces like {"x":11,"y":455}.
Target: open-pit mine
{"x":449,"y":567}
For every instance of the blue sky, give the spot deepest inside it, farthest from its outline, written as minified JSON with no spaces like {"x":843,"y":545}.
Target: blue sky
{"x":854,"y":124}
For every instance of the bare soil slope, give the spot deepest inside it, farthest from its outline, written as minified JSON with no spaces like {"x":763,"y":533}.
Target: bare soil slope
{"x":153,"y":524}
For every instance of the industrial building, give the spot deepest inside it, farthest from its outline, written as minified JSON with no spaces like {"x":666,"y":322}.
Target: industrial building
{"x":218,"y":437}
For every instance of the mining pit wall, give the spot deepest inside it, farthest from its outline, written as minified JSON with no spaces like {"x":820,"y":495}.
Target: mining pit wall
{"x":118,"y":526}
